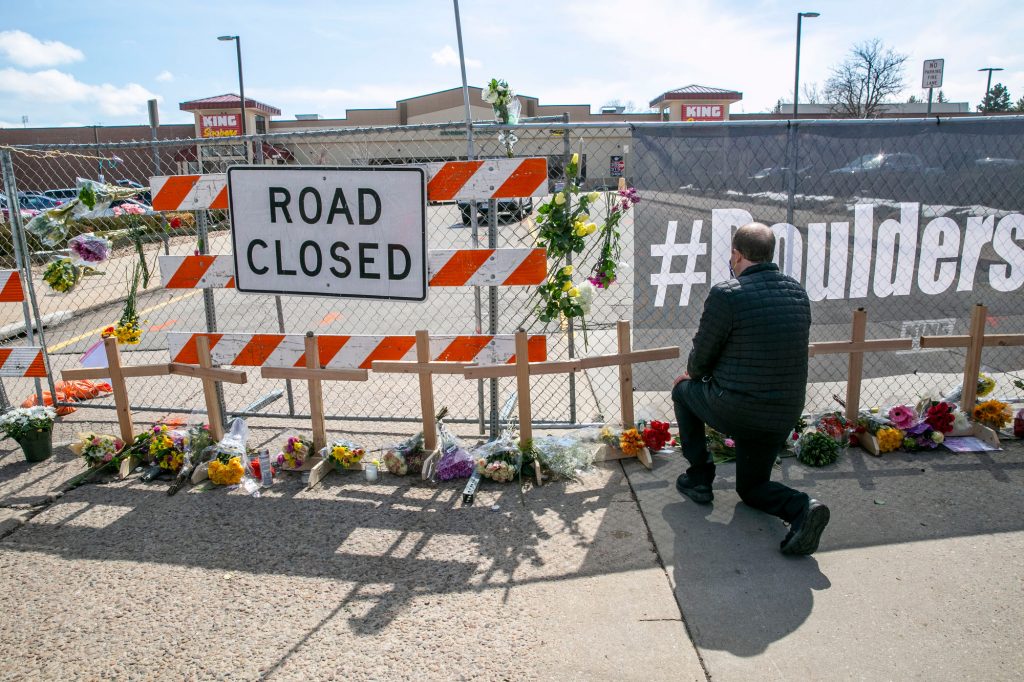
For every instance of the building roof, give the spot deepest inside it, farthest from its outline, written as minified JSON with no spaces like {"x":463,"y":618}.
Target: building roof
{"x":698,"y":92}
{"x":228,"y":101}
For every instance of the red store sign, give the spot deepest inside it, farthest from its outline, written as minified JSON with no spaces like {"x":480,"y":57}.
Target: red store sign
{"x":219,"y":125}
{"x":703,"y":112}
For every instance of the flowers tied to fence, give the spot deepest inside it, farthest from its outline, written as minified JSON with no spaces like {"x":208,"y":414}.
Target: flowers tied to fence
{"x":502,"y":98}
{"x":565,"y":228}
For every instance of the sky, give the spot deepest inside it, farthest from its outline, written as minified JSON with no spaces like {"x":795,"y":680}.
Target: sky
{"x":65,"y":63}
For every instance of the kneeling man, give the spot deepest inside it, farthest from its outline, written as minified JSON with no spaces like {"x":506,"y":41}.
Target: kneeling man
{"x":747,"y":377}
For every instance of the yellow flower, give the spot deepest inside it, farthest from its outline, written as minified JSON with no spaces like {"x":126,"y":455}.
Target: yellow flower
{"x":889,"y":439}
{"x":580,"y":230}
{"x":566,"y":286}
{"x":583,"y":218}
{"x":593,"y":196}
{"x":575,"y":159}
{"x":567,"y":271}
{"x":573,"y":292}
{"x":590,"y":228}
{"x":560,"y":198}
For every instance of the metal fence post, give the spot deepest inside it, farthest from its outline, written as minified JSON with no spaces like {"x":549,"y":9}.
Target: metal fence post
{"x":24,"y":265}
{"x":492,"y":308}
{"x":792,"y":159}
{"x":203,"y":232}
{"x":567,"y":156}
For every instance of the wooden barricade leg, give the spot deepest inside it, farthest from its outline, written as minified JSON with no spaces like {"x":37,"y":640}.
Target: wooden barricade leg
{"x":855,"y":371}
{"x":316,"y":396}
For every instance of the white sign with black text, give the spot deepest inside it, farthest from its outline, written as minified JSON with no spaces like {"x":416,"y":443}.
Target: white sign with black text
{"x":318,"y":231}
{"x":931,"y":76}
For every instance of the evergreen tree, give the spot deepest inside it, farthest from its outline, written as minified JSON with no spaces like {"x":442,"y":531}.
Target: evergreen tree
{"x":1019,"y":107}
{"x":942,"y":97}
{"x":996,"y":99}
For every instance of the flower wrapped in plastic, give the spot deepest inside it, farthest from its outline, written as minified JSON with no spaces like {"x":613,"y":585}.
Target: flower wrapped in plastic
{"x":51,"y":226}
{"x":902,"y":417}
{"x":343,"y":454}
{"x":89,"y":249}
{"x":631,"y":442}
{"x":96,"y":448}
{"x":295,"y":452}
{"x":499,"y":459}
{"x":226,"y":456}
{"x":563,"y":455}
{"x":507,"y":109}
{"x":940,"y":416}
{"x":62,"y":275}
{"x":835,"y":426}
{"x":455,"y":461}
{"x":406,"y":457}
{"x":889,"y":439}
{"x":657,"y":435}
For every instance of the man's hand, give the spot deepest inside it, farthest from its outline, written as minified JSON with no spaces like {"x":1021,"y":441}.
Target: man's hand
{"x":683,"y":377}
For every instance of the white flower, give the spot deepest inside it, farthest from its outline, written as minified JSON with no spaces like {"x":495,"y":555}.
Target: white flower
{"x":490,"y":96}
{"x":586,"y":297}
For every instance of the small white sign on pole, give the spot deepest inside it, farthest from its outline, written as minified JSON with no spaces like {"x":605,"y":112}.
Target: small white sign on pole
{"x":932,"y":75}
{"x":330,"y":231}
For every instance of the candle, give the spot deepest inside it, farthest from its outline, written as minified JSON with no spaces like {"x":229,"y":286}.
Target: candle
{"x":371,"y":472}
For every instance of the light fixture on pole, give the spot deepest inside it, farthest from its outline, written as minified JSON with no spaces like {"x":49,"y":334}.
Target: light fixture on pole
{"x":796,"y":79}
{"x":988,"y":86}
{"x":241,"y":83}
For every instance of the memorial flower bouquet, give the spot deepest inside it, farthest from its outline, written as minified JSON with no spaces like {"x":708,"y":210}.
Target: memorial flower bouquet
{"x":97,"y":449}
{"x":225,"y":466}
{"x":296,"y":451}
{"x":343,"y":454}
{"x":407,"y":457}
{"x":994,"y":414}
{"x":62,"y":275}
{"x":89,"y":249}
{"x":127,"y":329}
{"x":721,"y":447}
{"x":502,"y":98}
{"x":656,"y":436}
{"x":226,"y":469}
{"x":606,"y":269}
{"x":455,"y":461}
{"x":817,"y":449}
{"x":23,"y":421}
{"x":499,"y":459}
{"x":564,"y":456}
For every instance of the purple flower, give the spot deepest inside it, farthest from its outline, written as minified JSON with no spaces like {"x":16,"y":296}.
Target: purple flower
{"x":90,"y":248}
{"x":630,"y":196}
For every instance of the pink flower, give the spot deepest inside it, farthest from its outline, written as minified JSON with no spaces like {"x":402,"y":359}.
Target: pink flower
{"x":729,"y":443}
{"x":902,"y":417}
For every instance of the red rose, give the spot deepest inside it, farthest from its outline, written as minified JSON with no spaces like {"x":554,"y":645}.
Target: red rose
{"x":174,"y":222}
{"x":255,"y":466}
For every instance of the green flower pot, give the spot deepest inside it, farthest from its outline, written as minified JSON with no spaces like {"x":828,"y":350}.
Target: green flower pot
{"x":37,"y":445}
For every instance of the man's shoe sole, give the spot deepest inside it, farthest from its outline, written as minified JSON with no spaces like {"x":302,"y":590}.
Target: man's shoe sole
{"x":698,"y":496}
{"x":806,"y":540}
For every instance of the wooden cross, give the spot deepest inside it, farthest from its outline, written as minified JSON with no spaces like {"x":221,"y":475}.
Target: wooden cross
{"x":117,"y":373}
{"x":523,"y":370}
{"x":855,"y":348}
{"x":314,"y":373}
{"x":426,"y":370}
{"x":974,"y":342}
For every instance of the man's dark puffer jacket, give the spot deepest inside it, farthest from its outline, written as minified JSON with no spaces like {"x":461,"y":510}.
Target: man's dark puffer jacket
{"x":752,"y":343}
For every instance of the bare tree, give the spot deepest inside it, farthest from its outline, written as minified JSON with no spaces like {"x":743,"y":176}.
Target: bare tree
{"x":811,"y":93}
{"x":871,"y":75}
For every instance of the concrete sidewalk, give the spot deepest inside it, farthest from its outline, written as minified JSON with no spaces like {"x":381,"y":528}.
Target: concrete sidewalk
{"x":920,"y":574}
{"x":348,"y":581}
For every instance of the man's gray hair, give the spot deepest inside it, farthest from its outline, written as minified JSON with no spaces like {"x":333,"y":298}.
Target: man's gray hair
{"x":755,"y":242}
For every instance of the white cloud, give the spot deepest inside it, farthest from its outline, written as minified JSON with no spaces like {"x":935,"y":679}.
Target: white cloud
{"x":165,"y":76}
{"x":26,"y":50}
{"x":57,"y":87}
{"x":447,"y":56}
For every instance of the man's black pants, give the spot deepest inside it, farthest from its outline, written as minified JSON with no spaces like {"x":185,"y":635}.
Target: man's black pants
{"x":756,"y":451}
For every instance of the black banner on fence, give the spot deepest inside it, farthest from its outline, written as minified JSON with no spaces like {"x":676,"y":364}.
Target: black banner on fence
{"x":914,"y":220}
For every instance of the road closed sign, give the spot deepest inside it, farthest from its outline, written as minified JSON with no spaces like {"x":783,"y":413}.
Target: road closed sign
{"x":316,"y":231}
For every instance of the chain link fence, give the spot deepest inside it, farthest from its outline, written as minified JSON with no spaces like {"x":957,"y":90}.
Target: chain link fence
{"x":716,"y":167}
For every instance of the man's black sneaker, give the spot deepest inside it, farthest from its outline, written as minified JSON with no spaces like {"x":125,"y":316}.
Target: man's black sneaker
{"x":698,"y":492}
{"x":805,"y":532}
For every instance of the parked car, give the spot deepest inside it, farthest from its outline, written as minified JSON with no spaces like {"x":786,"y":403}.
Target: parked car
{"x":509,"y":211}
{"x":35,"y":201}
{"x":25,"y":211}
{"x":61,"y":195}
{"x":883,"y":162}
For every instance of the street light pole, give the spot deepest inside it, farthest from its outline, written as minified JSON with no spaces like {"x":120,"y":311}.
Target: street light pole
{"x":796,"y":78}
{"x":988,"y":86}
{"x":241,"y":82}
